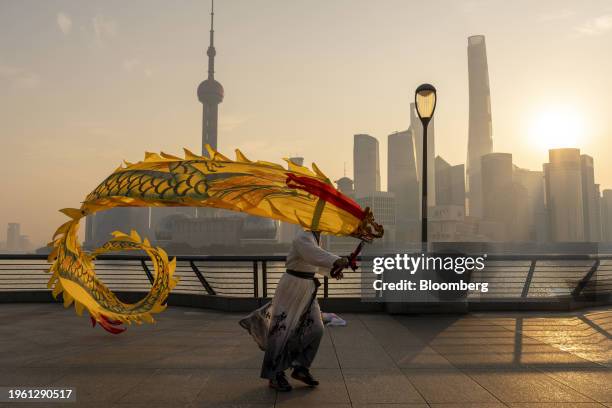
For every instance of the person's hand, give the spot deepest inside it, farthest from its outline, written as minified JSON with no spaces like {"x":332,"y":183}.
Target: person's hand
{"x":338,"y":266}
{"x":337,"y":274}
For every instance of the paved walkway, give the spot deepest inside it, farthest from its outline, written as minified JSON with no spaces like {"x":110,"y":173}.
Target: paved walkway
{"x":198,"y":358}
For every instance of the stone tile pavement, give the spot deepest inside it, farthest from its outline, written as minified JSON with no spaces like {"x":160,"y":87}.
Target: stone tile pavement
{"x":200,"y":358}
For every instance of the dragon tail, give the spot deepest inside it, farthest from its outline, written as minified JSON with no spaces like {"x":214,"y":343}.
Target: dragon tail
{"x":73,"y":275}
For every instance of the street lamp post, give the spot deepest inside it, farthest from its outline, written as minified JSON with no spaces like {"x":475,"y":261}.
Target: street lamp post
{"x":425,"y":101}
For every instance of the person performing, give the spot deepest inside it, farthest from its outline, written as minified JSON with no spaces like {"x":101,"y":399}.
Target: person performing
{"x":289,"y":328}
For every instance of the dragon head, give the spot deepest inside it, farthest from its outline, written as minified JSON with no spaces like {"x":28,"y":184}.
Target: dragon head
{"x":368,"y":228}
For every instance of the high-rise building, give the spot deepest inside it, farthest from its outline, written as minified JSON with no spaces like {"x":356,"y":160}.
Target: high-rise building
{"x":417,"y":134}
{"x":590,"y":200}
{"x":366,"y":165}
{"x":480,"y":136}
{"x":450,"y":183}
{"x":498,"y":192}
{"x":606,"y":216}
{"x":563,"y":181}
{"x":210,"y":94}
{"x":402,"y":179}
{"x":535,"y":218}
{"x":13,"y":236}
{"x":599,"y":220}
{"x":336,"y":243}
{"x":24,"y":243}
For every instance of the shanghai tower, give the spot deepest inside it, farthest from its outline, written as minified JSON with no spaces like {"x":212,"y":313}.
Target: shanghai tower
{"x":480,"y":138}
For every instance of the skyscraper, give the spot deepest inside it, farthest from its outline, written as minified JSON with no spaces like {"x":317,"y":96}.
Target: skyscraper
{"x":497,"y":192}
{"x":403,"y":182}
{"x":563,"y":180}
{"x":590,"y":200}
{"x":598,"y":218}
{"x":402,"y":175}
{"x":210,"y":94}
{"x":13,"y":236}
{"x":417,"y":134}
{"x":366,"y":165}
{"x":450,"y":183}
{"x":480,"y":136}
{"x":535,"y":217}
{"x":606,"y":216}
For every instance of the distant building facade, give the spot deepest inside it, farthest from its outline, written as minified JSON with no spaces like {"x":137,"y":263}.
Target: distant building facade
{"x":100,"y":226}
{"x":180,"y":230}
{"x":346,"y":187}
{"x":450,"y":183}
{"x":13,"y":236}
{"x":159,"y":214}
{"x":535,"y":218}
{"x":498,"y":200}
{"x":382,"y":204}
{"x":366,"y":165}
{"x":447,"y":223}
{"x":563,"y":180}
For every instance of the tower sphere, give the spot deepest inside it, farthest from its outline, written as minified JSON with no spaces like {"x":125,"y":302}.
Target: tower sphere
{"x":210,"y":91}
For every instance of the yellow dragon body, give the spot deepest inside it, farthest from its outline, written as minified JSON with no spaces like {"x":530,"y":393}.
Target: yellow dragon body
{"x":294,"y":194}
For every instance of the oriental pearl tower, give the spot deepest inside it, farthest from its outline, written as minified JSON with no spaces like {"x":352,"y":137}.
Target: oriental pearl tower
{"x":210,"y":94}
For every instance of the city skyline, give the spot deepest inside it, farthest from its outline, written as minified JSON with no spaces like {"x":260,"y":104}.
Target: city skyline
{"x":69,"y":139}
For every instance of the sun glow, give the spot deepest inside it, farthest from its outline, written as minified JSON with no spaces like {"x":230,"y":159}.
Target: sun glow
{"x":559,"y":126}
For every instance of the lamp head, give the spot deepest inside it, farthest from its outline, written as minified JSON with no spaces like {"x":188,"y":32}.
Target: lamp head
{"x":425,"y":101}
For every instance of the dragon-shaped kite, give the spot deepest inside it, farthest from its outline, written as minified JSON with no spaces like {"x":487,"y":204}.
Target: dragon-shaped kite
{"x":294,"y":194}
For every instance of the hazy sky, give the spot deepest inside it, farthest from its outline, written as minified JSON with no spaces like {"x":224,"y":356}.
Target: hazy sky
{"x":85,"y":84}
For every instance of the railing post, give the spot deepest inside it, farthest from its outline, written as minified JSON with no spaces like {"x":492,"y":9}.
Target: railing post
{"x":147,"y":271}
{"x":264,"y":275}
{"x":586,"y":279}
{"x":528,"y":279}
{"x":255,"y":279}
{"x":325,"y":287}
{"x":202,"y":279}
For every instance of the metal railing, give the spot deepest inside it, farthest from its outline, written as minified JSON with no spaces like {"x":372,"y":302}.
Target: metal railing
{"x":510,"y":277}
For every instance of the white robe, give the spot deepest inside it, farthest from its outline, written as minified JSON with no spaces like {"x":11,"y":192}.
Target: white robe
{"x":289,"y":328}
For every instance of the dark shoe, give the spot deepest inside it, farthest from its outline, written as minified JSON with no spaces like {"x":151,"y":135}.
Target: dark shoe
{"x":302,"y":374}
{"x":280,"y":383}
